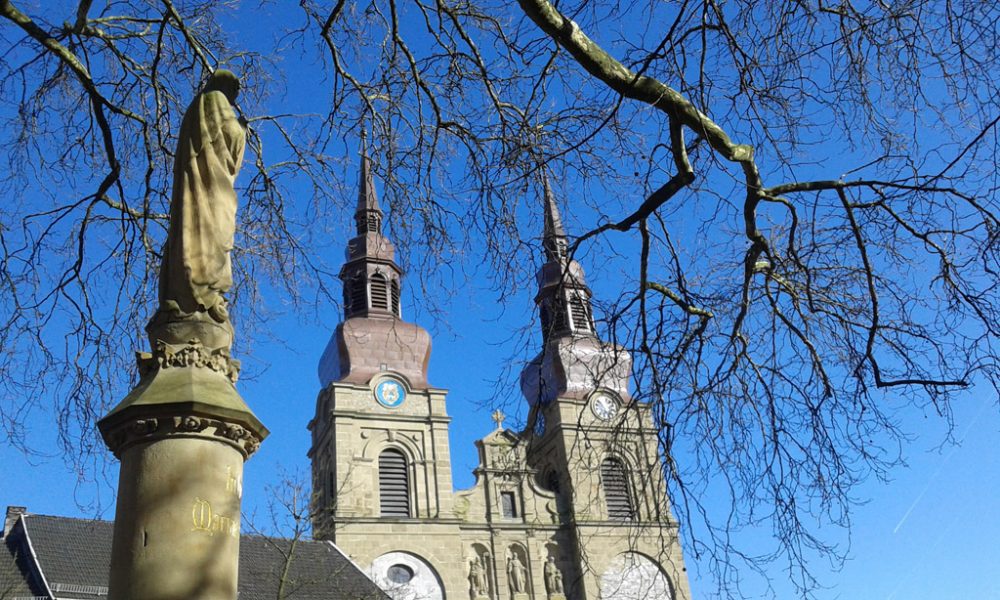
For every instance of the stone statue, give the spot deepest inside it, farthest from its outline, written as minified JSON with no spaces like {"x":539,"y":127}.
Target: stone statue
{"x":517,"y":574}
{"x":553,"y":578}
{"x":196,"y":269}
{"x":478,"y":585}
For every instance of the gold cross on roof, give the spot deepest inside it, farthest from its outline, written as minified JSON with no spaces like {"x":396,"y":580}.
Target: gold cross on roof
{"x":498,"y":417}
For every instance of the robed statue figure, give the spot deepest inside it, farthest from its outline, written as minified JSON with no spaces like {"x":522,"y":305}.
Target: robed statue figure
{"x":196,"y":269}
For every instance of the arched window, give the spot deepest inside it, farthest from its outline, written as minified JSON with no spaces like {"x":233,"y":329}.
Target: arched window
{"x":580,"y":314}
{"x":395,"y":298}
{"x":616,"y":490}
{"x":357,"y":292}
{"x":380,"y":292}
{"x":558,"y":314}
{"x":393,"y":484}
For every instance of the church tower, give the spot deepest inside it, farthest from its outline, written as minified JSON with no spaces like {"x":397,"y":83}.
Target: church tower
{"x":574,"y":507}
{"x":594,"y":446}
{"x":381,"y":468}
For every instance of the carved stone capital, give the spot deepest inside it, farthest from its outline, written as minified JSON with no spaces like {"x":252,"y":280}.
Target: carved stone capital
{"x":151,"y":429}
{"x":191,"y":354}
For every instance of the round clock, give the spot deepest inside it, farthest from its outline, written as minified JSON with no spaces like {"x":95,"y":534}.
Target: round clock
{"x":390,"y":393}
{"x":604,"y":406}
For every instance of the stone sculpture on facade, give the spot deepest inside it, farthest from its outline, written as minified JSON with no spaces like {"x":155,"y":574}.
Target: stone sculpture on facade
{"x":478,"y":581}
{"x":537,"y":493}
{"x":517,"y":574}
{"x":183,"y":433}
{"x":553,"y":579}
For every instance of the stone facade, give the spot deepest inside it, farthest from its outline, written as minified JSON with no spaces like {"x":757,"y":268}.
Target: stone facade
{"x":573,"y":507}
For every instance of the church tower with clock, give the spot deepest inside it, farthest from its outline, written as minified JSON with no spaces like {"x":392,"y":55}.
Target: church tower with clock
{"x":593,"y":445}
{"x":574,"y":506}
{"x":381,"y":468}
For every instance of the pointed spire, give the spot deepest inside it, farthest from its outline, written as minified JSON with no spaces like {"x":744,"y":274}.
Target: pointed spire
{"x":369,"y":214}
{"x":372,"y":279}
{"x":574,"y":361}
{"x":563,"y":296}
{"x":554,"y":236}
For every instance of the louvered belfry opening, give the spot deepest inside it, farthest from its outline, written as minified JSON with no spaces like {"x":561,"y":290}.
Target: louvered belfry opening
{"x":380,"y":292}
{"x":368,"y":221}
{"x":357,"y":292}
{"x":580,"y":314}
{"x":395,"y":298}
{"x":558,"y":315}
{"x":616,"y":490}
{"x":393,"y":484}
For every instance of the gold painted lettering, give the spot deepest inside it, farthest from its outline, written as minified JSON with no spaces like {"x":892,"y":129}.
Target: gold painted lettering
{"x":204,"y":519}
{"x":201,"y":515}
{"x":234,"y":485}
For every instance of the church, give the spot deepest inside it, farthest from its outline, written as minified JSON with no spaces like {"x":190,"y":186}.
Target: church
{"x":573,"y":507}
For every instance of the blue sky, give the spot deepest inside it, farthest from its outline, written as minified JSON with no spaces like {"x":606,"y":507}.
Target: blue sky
{"x":930,"y":531}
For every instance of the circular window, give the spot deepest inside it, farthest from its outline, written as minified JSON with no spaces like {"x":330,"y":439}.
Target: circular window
{"x":399,"y":574}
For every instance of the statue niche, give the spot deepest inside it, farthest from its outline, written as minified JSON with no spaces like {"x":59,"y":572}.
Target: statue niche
{"x":479,"y":584}
{"x":553,"y":580}
{"x":517,"y":574}
{"x":196,"y":271}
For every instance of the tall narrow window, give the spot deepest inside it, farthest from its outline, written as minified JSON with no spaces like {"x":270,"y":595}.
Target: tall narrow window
{"x":581,"y":318}
{"x":616,"y":490}
{"x":395,"y":298}
{"x":558,"y":315}
{"x":358,"y":295}
{"x":380,"y":292}
{"x":393,"y":484}
{"x":508,"y":505}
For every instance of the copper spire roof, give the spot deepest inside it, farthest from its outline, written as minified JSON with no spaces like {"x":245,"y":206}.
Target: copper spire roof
{"x":573,"y":360}
{"x":553,"y":236}
{"x":367,"y":198}
{"x":368,"y":215}
{"x":373,"y":336}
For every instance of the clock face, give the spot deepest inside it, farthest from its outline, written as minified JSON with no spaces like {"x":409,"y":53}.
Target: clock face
{"x":604,"y":406}
{"x":390,"y":393}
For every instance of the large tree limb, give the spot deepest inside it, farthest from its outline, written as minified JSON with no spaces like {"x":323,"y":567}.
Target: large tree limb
{"x":623,"y":80}
{"x":97,"y":100}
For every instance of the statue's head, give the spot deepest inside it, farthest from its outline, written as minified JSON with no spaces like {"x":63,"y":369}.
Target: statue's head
{"x":224,"y":81}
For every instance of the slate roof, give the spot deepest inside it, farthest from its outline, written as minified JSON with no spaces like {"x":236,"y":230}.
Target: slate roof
{"x":74,"y":553}
{"x":13,"y":563}
{"x":74,"y":556}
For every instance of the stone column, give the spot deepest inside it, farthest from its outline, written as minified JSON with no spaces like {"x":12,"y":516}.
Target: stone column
{"x":182,"y":435}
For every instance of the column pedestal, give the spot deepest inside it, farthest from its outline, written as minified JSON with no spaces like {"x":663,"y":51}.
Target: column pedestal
{"x":182,"y":436}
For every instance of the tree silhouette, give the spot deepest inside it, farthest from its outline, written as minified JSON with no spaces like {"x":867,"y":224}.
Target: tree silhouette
{"x":800,"y":197}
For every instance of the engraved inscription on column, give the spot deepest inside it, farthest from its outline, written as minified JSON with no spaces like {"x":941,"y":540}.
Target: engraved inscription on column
{"x":234,"y":483}
{"x":205,"y":520}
